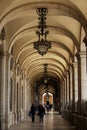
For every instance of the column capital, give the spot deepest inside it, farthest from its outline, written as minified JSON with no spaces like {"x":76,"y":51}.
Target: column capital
{"x":68,"y":71}
{"x":75,"y":64}
{"x":85,"y":40}
{"x":70,"y":66}
{"x":4,"y":54}
{"x":64,"y":76}
{"x":77,"y":55}
{"x":2,"y":34}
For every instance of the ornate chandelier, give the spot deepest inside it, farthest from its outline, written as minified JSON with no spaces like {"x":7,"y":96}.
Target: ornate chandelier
{"x":42,"y":45}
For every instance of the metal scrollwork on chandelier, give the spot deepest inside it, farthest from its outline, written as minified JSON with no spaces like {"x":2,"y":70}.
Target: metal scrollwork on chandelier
{"x":42,"y":45}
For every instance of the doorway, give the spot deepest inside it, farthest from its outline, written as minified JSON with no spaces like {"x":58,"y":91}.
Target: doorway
{"x":47,"y":100}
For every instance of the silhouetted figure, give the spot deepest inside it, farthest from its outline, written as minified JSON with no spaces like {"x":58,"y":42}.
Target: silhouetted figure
{"x":33,"y":110}
{"x":47,"y":107}
{"x":41,"y":112}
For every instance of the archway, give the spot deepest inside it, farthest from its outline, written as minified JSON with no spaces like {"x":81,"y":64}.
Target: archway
{"x":47,"y":100}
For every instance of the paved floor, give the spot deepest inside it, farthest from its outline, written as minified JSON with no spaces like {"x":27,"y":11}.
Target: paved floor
{"x":52,"y":121}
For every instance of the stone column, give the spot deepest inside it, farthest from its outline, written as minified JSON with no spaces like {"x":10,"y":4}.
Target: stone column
{"x":84,"y":71}
{"x":72,"y":88}
{"x":75,"y":65}
{"x":62,"y":93}
{"x":83,"y":82}
{"x":83,"y":76}
{"x":85,"y":42}
{"x":65,"y":86}
{"x":29,"y":93}
{"x":3,"y":90}
{"x":3,"y":82}
{"x":26,"y":100}
{"x":68,"y":89}
{"x":79,"y":82}
{"x":19,"y":96}
{"x":14,"y":106}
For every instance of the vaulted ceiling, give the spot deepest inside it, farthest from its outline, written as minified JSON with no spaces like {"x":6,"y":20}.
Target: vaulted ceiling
{"x":64,"y":21}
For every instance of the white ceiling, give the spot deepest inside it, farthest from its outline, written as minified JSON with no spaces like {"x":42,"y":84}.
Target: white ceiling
{"x":64,"y":21}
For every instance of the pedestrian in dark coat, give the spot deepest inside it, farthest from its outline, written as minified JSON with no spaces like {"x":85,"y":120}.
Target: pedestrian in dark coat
{"x":33,"y":110}
{"x":41,"y":112}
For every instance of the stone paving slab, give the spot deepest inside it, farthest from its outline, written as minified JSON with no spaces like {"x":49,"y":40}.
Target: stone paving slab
{"x":52,"y":121}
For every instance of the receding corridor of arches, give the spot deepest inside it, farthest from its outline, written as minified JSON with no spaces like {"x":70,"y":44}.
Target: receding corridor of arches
{"x":43,"y":60}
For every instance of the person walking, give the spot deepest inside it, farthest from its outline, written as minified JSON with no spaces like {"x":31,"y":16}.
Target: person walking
{"x":41,"y":112}
{"x":33,"y":110}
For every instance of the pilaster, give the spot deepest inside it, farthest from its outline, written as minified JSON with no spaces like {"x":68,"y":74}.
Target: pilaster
{"x":72,"y":88}
{"x":75,"y":66}
{"x":83,"y":83}
{"x":79,"y":82}
{"x":68,"y":88}
{"x":85,"y":42}
{"x":65,"y":88}
{"x":3,"y":82}
{"x":83,"y":76}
